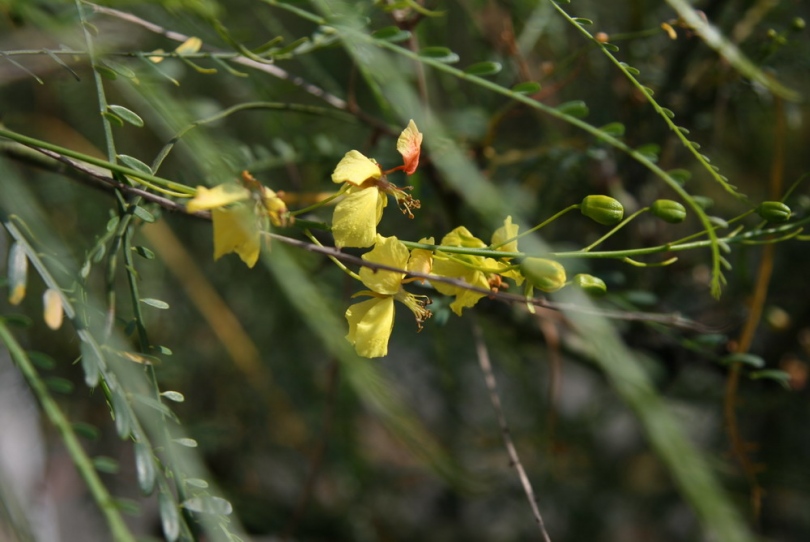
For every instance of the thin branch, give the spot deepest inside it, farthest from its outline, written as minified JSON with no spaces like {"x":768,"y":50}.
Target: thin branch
{"x":492,"y":387}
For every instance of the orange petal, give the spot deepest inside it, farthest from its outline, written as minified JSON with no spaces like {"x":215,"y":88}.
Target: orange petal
{"x":409,"y":146}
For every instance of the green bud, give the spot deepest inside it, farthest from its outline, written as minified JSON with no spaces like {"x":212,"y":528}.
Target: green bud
{"x":798,"y":24}
{"x":774,"y":211}
{"x":545,"y":275}
{"x":602,"y":209}
{"x":592,"y":285}
{"x":668,"y":211}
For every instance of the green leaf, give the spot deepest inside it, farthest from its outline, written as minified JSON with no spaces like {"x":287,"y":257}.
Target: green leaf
{"x":134,"y":163}
{"x":155,"y":404}
{"x":682,"y":130}
{"x":392,"y":34}
{"x":113,"y":118}
{"x":169,"y":516}
{"x":187,"y":442}
{"x":40,"y":359}
{"x":145,"y":468}
{"x":704,"y":202}
{"x":291,"y":46}
{"x":90,"y":432}
{"x":610,"y":47}
{"x":143,"y":214}
{"x":779,"y":376}
{"x":20,"y":321}
{"x":614,"y":129}
{"x":123,"y":423}
{"x":106,"y":72}
{"x":482,"y":69}
{"x":126,"y":114}
{"x":59,"y":385}
{"x":630,"y":69}
{"x":106,"y":464}
{"x":668,"y":112}
{"x":680,"y":175}
{"x":440,"y":54}
{"x":120,"y":69}
{"x":157,"y":303}
{"x":575,"y":108}
{"x":650,"y":151}
{"x":197,"y":482}
{"x":268,"y":45}
{"x":582,"y":21}
{"x":650,"y":92}
{"x":91,"y":364}
{"x":127,"y":506}
{"x":144,"y":252}
{"x":160,"y":349}
{"x":746,"y":359}
{"x":175,"y":396}
{"x":527,"y":87}
{"x":208,"y":505}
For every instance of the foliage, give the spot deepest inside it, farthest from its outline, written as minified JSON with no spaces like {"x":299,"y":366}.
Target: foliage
{"x":614,"y":343}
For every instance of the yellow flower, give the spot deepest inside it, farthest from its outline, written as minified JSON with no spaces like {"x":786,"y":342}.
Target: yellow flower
{"x":237,"y":224}
{"x":355,"y":219}
{"x":461,"y":266}
{"x":371,"y":321}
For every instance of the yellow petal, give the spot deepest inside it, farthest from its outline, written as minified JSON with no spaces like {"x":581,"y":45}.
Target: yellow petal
{"x":356,"y":169}
{"x":219,"y":196}
{"x":421,"y":260}
{"x":461,"y":237}
{"x":387,"y":251}
{"x":53,"y":313}
{"x":507,"y":231}
{"x":409,"y":146}
{"x":190,"y":46}
{"x":370,"y":325}
{"x":235,"y":230}
{"x":354,"y":222}
{"x":157,"y":59}
{"x":446,"y":267}
{"x":275,"y":207}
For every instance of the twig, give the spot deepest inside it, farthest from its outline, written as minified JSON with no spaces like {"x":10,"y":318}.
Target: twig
{"x":492,"y":387}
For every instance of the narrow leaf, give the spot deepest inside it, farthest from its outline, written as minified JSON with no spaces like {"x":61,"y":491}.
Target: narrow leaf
{"x":441,"y":54}
{"x":574,"y":108}
{"x":106,"y":464}
{"x":41,"y":360}
{"x":169,"y":517}
{"x":527,"y":87}
{"x":157,"y":303}
{"x":197,"y":482}
{"x":208,"y":505}
{"x":134,"y":163}
{"x":123,"y":424}
{"x":90,"y":364}
{"x":144,"y":252}
{"x":175,"y":396}
{"x":126,"y":114}
{"x":482,"y":69}
{"x":392,"y":34}
{"x":746,"y":359}
{"x":187,"y":442}
{"x":143,"y":214}
{"x":145,"y":468}
{"x":615,"y":129}
{"x":58,"y":384}
{"x":90,"y":432}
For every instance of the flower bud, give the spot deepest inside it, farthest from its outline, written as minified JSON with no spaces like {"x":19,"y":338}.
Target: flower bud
{"x":774,"y":211}
{"x":545,"y":275}
{"x":668,"y":211}
{"x":602,"y":209}
{"x":591,"y":285}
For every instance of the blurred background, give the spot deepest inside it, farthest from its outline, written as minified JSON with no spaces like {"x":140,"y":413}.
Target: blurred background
{"x":289,"y":432}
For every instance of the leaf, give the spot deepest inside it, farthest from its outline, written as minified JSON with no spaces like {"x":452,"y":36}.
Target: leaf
{"x":630,"y":69}
{"x":175,"y":396}
{"x":187,"y":442}
{"x":574,"y":108}
{"x":106,"y":464}
{"x":668,"y":112}
{"x":482,"y":69}
{"x":582,"y":21}
{"x":17,"y":273}
{"x":144,"y":252}
{"x":145,"y":468}
{"x":143,"y":214}
{"x":197,"y":482}
{"x":41,"y":360}
{"x":392,"y":34}
{"x":650,"y":151}
{"x":53,"y":313}
{"x":134,"y":163}
{"x":113,"y":118}
{"x":440,"y":54}
{"x":610,"y":47}
{"x":90,"y":432}
{"x":527,"y":87}
{"x":106,"y":72}
{"x":126,"y":114}
{"x":59,"y":384}
{"x":208,"y":505}
{"x":120,"y":69}
{"x":123,"y":424}
{"x":127,"y":506}
{"x":189,"y":47}
{"x":746,"y":359}
{"x":680,"y":175}
{"x":90,"y":364}
{"x":155,"y":404}
{"x":169,"y":516}
{"x":614,"y":129}
{"x":778,"y":375}
{"x":157,"y":303}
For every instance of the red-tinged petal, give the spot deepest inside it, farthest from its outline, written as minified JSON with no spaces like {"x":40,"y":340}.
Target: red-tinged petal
{"x":409,"y":146}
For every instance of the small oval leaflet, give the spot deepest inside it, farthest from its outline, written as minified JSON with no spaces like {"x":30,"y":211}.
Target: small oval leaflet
{"x":145,"y":468}
{"x":482,"y":69}
{"x":144,"y":252}
{"x":90,"y":364}
{"x":60,"y":385}
{"x":123,"y":425}
{"x":169,"y":517}
{"x":143,"y":214}
{"x":187,"y":442}
{"x":744,"y":358}
{"x":134,"y":163}
{"x":41,"y":360}
{"x":668,"y":112}
{"x":208,"y":505}
{"x":440,"y":54}
{"x":90,"y":432}
{"x":772,"y":374}
{"x":582,"y":21}
{"x":175,"y":396}
{"x":680,"y":175}
{"x":106,"y":72}
{"x":157,"y":303}
{"x":197,"y":482}
{"x":106,"y":464}
{"x":610,"y":47}
{"x":392,"y":34}
{"x":615,"y":129}
{"x":575,"y":108}
{"x":527,"y":87}
{"x":127,"y":506}
{"x":126,"y":114}
{"x":630,"y":69}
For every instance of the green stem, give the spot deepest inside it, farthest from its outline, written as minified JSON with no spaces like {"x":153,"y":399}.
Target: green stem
{"x":616,"y":228}
{"x":83,"y":463}
{"x":337,"y":262}
{"x":109,"y":166}
{"x":323,"y":202}
{"x":538,"y":227}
